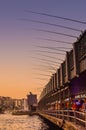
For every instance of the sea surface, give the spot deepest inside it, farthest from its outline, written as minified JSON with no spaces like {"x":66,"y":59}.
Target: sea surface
{"x":24,"y":122}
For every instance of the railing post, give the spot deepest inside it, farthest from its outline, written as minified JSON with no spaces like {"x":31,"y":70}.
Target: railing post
{"x":74,"y":116}
{"x":67,"y":115}
{"x":63,"y":114}
{"x":56,"y":113}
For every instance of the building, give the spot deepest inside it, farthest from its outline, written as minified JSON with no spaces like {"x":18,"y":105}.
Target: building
{"x":17,"y":103}
{"x":6,"y":102}
{"x":69,"y":82}
{"x":32,"y":101}
{"x":24,"y":104}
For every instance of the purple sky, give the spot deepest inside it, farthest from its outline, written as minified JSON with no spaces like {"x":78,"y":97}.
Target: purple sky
{"x":18,"y":40}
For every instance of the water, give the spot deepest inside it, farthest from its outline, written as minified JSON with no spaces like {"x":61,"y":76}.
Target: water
{"x":24,"y":122}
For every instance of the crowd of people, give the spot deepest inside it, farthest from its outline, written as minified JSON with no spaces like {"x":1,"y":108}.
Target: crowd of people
{"x":79,"y":105}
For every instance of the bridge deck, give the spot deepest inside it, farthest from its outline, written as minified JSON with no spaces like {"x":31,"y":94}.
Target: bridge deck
{"x":66,"y":125}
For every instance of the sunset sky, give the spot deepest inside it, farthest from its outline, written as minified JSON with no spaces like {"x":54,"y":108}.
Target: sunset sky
{"x":20,"y":62}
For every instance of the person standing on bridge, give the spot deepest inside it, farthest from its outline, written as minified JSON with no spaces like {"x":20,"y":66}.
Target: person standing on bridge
{"x":74,"y":106}
{"x":83,"y":108}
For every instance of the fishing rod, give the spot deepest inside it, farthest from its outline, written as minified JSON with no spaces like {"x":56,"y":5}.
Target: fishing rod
{"x":46,"y":60}
{"x":41,"y":78}
{"x":44,"y":63}
{"x":51,"y":24}
{"x":43,"y":70}
{"x":49,"y":56}
{"x":48,"y":39}
{"x":53,"y":32}
{"x":52,"y":48}
{"x":50,"y":52}
{"x":55,"y":16}
{"x":47,"y":66}
{"x":42,"y":74}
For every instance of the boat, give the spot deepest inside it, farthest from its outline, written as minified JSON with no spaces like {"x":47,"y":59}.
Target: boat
{"x":20,"y":112}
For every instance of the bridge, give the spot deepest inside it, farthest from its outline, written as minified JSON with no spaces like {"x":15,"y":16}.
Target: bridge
{"x":67,"y":86}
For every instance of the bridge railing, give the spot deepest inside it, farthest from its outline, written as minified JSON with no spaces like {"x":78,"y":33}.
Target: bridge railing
{"x":76,"y":117}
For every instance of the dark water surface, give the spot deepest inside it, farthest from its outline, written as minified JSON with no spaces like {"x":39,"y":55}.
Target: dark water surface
{"x":24,"y":122}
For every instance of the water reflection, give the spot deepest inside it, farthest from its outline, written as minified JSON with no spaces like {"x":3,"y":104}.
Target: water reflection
{"x":10,"y":122}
